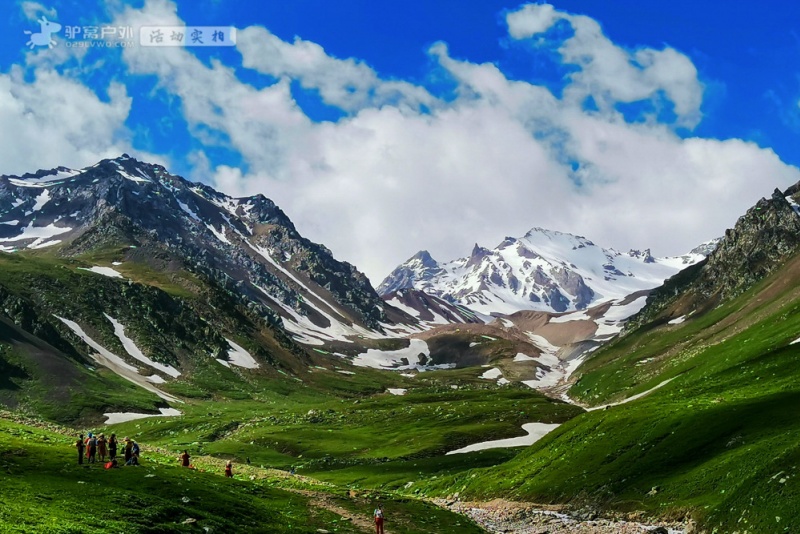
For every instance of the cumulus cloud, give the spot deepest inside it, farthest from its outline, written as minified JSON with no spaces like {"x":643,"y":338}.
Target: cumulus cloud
{"x":610,"y":74}
{"x":35,"y":10}
{"x":404,"y":170}
{"x":55,"y":120}
{"x":531,"y":19}
{"x":346,"y":83}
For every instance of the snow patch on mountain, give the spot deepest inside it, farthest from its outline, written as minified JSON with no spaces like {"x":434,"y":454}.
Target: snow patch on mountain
{"x":240,"y":357}
{"x":535,"y":432}
{"x":108,"y":359}
{"x":491,"y":374}
{"x":40,"y":201}
{"x":401,"y":359}
{"x":113,"y":418}
{"x":37,"y":232}
{"x":105,"y":271}
{"x":133,"y":350}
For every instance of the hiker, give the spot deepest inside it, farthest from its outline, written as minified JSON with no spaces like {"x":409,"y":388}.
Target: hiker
{"x":134,"y":455}
{"x":80,"y":445}
{"x":378,"y":513}
{"x":228,"y":469}
{"x":86,"y":445}
{"x":128,"y":449}
{"x":101,"y":448}
{"x":184,"y":458}
{"x":92,"y":448}
{"x":112,"y":447}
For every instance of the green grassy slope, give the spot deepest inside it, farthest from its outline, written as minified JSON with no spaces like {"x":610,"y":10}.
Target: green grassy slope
{"x":42,"y":489}
{"x":378,"y":440}
{"x":718,"y":442}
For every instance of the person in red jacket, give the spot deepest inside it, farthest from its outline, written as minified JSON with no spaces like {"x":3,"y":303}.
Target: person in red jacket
{"x":184,"y":458}
{"x":228,"y":469}
{"x":378,"y":519}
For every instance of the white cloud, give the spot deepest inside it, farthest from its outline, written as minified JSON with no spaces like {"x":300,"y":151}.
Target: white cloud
{"x":611,"y":74}
{"x":531,"y":19}
{"x":346,"y":83}
{"x":35,"y":10}
{"x":505,"y":155}
{"x":55,"y":120}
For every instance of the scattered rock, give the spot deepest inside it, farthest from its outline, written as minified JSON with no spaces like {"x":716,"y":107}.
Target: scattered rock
{"x":526,"y":518}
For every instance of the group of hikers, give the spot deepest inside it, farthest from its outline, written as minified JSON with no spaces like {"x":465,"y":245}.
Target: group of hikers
{"x":92,"y":446}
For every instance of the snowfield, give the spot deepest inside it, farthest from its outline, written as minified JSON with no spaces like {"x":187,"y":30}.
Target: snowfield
{"x":113,"y":418}
{"x":105,"y":271}
{"x":536,"y":431}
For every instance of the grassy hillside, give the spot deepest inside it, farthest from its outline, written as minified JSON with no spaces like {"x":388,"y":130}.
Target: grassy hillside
{"x":718,"y":442}
{"x":42,"y":489}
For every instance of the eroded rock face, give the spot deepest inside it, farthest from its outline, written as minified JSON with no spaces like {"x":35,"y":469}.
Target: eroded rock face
{"x":760,"y":242}
{"x":248,"y":246}
{"x":575,"y":286}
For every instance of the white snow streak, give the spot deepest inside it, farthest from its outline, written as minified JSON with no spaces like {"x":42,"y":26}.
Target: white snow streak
{"x":491,"y":374}
{"x":38,"y":232}
{"x":536,"y":431}
{"x":113,"y":418}
{"x":240,"y":357}
{"x":133,"y":350}
{"x":105,"y":271}
{"x":108,"y":359}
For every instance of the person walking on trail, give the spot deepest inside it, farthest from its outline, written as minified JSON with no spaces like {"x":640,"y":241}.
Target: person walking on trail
{"x":101,"y":448}
{"x":228,"y":469}
{"x":378,"y":513}
{"x":184,"y":458}
{"x":80,"y":446}
{"x":112,"y":447}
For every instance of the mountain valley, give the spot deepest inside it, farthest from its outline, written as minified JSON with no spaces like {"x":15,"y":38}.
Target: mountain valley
{"x":134,"y":301}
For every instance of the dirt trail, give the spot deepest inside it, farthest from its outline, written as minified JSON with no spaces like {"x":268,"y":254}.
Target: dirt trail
{"x":323,"y":500}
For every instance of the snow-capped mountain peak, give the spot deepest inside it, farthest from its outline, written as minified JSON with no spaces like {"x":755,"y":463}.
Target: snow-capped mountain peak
{"x":543,"y":270}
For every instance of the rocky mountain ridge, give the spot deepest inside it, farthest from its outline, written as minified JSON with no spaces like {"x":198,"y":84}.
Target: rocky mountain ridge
{"x":759,"y":243}
{"x":247,"y":245}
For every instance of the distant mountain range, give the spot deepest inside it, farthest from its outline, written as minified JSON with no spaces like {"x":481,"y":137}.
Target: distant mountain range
{"x":544,"y":270}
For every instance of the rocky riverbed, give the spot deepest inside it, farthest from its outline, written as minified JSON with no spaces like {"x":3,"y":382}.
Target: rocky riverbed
{"x":507,"y":517}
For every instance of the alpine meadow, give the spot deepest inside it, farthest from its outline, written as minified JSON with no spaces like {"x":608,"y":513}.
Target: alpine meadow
{"x":420,"y":268}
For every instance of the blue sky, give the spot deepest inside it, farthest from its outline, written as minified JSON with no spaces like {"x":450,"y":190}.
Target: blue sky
{"x":383,"y":128}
